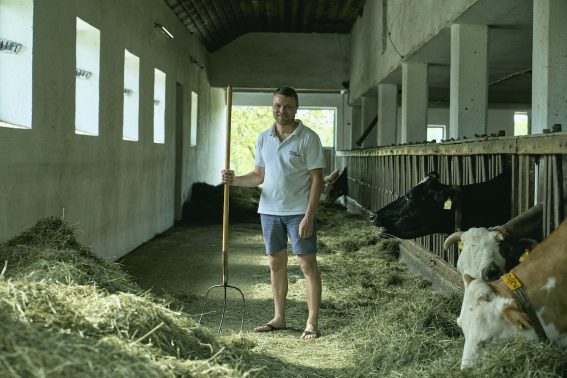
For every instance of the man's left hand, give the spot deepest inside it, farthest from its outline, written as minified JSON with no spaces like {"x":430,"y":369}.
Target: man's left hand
{"x":306,"y":227}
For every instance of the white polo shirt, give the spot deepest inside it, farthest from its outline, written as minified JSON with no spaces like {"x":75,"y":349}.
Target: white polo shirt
{"x":286,"y":165}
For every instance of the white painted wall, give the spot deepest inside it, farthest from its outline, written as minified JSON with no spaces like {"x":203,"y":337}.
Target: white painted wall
{"x":118,"y":194}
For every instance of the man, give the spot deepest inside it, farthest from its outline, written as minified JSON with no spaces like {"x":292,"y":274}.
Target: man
{"x":289,"y":162}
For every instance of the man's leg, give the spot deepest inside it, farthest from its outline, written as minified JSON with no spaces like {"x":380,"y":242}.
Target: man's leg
{"x":278,"y":272}
{"x":310,"y":269}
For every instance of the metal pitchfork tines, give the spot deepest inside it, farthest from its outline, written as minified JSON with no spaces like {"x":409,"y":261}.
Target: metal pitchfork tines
{"x":225,"y":284}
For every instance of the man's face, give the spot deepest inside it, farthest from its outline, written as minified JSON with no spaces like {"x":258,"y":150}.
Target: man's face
{"x":284,"y":109}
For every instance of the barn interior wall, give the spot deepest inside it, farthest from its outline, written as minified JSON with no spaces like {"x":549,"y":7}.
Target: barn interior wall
{"x":118,"y":194}
{"x":271,"y":60}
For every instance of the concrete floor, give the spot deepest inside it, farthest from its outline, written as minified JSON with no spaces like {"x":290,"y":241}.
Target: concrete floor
{"x":186,"y":260}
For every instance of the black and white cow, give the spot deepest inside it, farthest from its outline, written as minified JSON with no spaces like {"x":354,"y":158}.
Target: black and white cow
{"x":430,"y":207}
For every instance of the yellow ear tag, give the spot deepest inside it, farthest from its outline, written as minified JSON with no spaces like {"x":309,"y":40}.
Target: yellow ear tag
{"x":524,"y":255}
{"x":448,"y":204}
{"x":461,"y":245}
{"x":511,"y":281}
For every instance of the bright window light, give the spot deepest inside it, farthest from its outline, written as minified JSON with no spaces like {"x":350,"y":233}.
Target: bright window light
{"x":159,"y":106}
{"x":87,"y":75}
{"x":16,"y":38}
{"x":320,"y":120}
{"x":194,"y":118}
{"x":521,"y":123}
{"x":131,"y":96}
{"x":436,"y":132}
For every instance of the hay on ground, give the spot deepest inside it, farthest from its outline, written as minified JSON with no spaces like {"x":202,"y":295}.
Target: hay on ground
{"x":67,"y":313}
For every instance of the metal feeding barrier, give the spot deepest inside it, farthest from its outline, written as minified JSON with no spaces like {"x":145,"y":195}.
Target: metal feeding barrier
{"x":225,"y":286}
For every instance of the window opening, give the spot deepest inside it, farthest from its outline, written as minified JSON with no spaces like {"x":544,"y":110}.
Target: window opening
{"x":521,"y":123}
{"x":16,"y":39}
{"x":159,"y":106}
{"x":130,"y":129}
{"x":87,"y":75}
{"x":194,"y":117}
{"x":436,"y":132}
{"x":249,"y":121}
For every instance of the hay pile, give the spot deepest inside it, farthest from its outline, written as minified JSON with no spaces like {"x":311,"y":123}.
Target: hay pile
{"x":67,"y":313}
{"x":399,"y":326}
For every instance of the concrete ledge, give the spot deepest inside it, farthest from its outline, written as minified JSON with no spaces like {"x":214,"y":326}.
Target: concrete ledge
{"x":420,"y":261}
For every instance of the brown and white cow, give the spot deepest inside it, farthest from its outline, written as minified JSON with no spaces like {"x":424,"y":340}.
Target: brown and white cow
{"x":490,"y":311}
{"x":336,"y":185}
{"x":488,"y":253}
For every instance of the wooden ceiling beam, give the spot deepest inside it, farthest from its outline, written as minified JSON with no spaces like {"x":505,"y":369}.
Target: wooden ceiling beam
{"x":218,"y":22}
{"x":192,"y":18}
{"x":211,"y":23}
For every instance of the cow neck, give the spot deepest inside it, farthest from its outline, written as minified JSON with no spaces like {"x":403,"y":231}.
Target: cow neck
{"x":547,"y":259}
{"x":518,"y":292}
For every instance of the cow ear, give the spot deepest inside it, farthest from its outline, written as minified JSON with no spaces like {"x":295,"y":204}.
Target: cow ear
{"x":519,"y":319}
{"x":481,"y":292}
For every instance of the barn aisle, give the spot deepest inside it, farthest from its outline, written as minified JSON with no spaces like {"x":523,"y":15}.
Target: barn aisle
{"x":186,"y":260}
{"x":376,"y":318}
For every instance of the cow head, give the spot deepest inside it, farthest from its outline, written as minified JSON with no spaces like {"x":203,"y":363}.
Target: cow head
{"x":427,"y":208}
{"x":487,"y":253}
{"x":487,"y":316}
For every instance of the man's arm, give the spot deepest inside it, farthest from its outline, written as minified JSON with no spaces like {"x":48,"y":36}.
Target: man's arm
{"x":250,"y":180}
{"x":308,"y":221}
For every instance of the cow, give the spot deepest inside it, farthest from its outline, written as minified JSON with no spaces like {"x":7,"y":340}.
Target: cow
{"x":206,"y":204}
{"x":430,"y":207}
{"x":336,"y":185}
{"x":494,"y":311}
{"x":488,"y":253}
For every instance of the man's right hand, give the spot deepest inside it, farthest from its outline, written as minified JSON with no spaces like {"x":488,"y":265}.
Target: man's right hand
{"x":227,"y":176}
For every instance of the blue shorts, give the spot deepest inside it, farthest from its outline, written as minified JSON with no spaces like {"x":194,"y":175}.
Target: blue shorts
{"x":277,"y":228}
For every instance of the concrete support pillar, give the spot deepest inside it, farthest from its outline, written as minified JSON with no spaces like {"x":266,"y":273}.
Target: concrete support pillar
{"x":387,"y":114}
{"x":356,"y":120}
{"x":469,"y":80}
{"x":369,"y":110}
{"x":344,"y":133}
{"x":414,"y":102}
{"x":549,"y":57}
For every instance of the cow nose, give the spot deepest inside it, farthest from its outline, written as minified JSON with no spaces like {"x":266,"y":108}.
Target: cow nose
{"x":375,"y":220}
{"x":491,"y":272}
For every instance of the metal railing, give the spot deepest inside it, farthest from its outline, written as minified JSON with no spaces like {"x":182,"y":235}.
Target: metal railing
{"x":378,"y":176}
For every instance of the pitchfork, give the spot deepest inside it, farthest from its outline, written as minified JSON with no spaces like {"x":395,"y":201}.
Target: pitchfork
{"x":225,"y":284}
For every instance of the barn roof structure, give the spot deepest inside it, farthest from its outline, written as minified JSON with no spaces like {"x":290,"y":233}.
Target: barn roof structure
{"x":218,"y":22}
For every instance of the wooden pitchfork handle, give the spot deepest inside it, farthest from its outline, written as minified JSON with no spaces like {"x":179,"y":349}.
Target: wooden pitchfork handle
{"x":226,"y":189}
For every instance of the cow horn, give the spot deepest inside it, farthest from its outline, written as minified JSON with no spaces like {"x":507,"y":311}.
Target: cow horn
{"x":453,"y":238}
{"x":503,"y":232}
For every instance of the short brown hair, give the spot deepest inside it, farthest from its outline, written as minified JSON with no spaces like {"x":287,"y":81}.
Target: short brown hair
{"x":287,"y":92}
